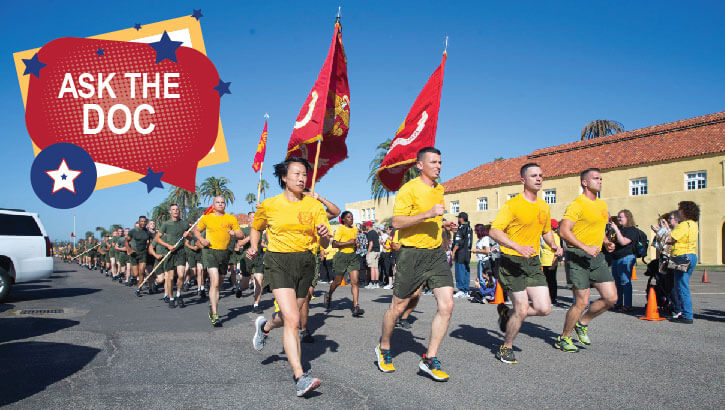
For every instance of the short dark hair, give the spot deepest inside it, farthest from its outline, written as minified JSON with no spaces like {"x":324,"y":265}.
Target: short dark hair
{"x":250,"y":212}
{"x":425,"y":150}
{"x":280,"y":170}
{"x":586,"y":172}
{"x":142,"y":216}
{"x":344,"y":214}
{"x":173,"y":205}
{"x":690,"y":210}
{"x":527,"y":166}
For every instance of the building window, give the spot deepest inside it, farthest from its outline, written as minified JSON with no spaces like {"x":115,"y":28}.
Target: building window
{"x":510,"y":196}
{"x":455,"y":207}
{"x":482,"y":204}
{"x":372,"y":214}
{"x":696,"y":180}
{"x":638,"y":186}
{"x":362,"y":214}
{"x":550,"y":196}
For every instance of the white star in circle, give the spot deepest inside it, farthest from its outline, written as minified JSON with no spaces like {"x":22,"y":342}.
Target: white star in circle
{"x":63,"y":177}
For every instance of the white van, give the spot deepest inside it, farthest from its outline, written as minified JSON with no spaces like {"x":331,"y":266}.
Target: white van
{"x":25,"y":249}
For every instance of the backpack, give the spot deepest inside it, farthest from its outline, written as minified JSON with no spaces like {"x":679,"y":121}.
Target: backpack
{"x":641,"y":244}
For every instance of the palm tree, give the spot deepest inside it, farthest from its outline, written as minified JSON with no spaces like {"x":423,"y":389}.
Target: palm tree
{"x":102,"y":231}
{"x":377,"y":190}
{"x":263,"y":187}
{"x":160,"y":213}
{"x":600,"y":128}
{"x":250,"y":198}
{"x":186,"y":200}
{"x":213,"y":187}
{"x":88,"y":233}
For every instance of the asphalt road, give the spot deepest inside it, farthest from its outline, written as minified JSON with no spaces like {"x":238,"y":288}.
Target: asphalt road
{"x":110,"y":349}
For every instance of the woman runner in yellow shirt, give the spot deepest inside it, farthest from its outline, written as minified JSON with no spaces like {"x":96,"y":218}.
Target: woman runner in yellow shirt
{"x":296,"y":224}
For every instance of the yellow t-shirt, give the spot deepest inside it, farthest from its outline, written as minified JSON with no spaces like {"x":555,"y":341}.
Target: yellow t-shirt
{"x":344,"y":234}
{"x":685,"y":236}
{"x":590,"y":219}
{"x":523,"y":222}
{"x":547,"y":255}
{"x":330,"y":252}
{"x":217,"y":229}
{"x":291,"y":226}
{"x":415,"y":197}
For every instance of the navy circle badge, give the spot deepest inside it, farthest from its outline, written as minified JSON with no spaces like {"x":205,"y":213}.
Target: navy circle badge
{"x":63,"y":175}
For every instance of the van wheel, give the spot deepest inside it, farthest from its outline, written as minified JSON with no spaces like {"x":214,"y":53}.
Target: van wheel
{"x":5,"y":283}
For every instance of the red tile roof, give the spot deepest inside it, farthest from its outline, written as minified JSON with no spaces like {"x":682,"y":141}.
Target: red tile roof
{"x":680,"y":139}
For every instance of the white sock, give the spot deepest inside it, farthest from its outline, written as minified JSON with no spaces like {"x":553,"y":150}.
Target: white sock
{"x":202,"y":287}
{"x":178,"y":293}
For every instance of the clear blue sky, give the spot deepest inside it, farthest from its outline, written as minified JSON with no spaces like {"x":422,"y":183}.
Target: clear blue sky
{"x":518,"y":77}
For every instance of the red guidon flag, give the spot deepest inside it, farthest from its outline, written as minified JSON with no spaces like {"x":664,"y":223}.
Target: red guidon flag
{"x":261,"y":149}
{"x":325,"y":115}
{"x":417,"y":131}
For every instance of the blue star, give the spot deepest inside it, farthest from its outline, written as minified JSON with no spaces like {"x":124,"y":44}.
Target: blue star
{"x":64,"y":176}
{"x":137,"y":26}
{"x":33,"y":66}
{"x":152,"y":180}
{"x":197,"y":14}
{"x":222,"y":88}
{"x":165,"y":48}
{"x":100,"y":52}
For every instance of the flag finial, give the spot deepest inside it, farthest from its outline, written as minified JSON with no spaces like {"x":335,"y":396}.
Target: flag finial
{"x":445,"y":49}
{"x":339,"y":8}
{"x":266,"y":115}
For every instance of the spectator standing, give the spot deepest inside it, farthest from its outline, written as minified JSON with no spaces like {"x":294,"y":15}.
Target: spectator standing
{"x":623,"y":259}
{"x":362,"y":251}
{"x":462,"y":244}
{"x":684,"y":240}
{"x":373,"y":256}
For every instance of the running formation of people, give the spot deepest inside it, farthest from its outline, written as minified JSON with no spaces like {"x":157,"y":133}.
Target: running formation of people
{"x":289,"y":247}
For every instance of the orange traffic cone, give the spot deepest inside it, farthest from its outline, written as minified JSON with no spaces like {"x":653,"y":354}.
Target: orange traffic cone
{"x":498,"y":298}
{"x":634,"y":273}
{"x":652,"y":313}
{"x":704,"y":277}
{"x":343,"y":281}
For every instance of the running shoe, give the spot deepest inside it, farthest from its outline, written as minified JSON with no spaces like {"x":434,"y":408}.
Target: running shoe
{"x":260,"y":338}
{"x":306,"y":337}
{"x":357,"y":311}
{"x":432,"y":366}
{"x":137,"y":292}
{"x":306,"y":384}
{"x":215,"y":321}
{"x":238,"y":293}
{"x":565,"y":344}
{"x":506,"y":355}
{"x":186,"y":286}
{"x":180,"y":302}
{"x":388,"y":287}
{"x":256,"y":309}
{"x":503,"y":316}
{"x":384,"y":360}
{"x":172,"y":303}
{"x":202,"y":294}
{"x":166,"y":298}
{"x":404,"y":323}
{"x":581,"y":333}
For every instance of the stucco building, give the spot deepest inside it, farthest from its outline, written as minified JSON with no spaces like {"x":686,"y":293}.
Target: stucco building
{"x":647,"y":171}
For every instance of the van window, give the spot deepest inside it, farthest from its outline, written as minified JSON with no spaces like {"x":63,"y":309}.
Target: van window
{"x":18,"y":225}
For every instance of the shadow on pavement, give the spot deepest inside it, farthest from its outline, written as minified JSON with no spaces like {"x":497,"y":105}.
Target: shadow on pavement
{"x":711,"y":315}
{"x":383,"y":299}
{"x":538,"y":331}
{"x":480,"y":336}
{"x":19,"y":293}
{"x":404,"y":341}
{"x":30,"y":367}
{"x":25,"y":327}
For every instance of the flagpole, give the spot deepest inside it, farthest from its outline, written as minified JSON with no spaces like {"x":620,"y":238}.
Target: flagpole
{"x":314,"y":170}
